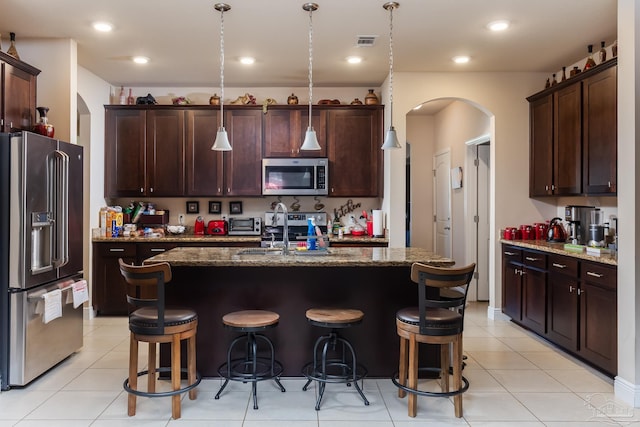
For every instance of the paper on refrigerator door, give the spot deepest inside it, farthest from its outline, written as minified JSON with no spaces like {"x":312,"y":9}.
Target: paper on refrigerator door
{"x":52,"y":305}
{"x":80,"y":293}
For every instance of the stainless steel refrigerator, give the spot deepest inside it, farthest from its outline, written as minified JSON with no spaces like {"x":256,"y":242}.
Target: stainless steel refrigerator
{"x":40,"y":251}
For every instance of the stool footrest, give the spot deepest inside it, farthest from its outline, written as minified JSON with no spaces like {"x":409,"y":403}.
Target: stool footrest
{"x":241,"y":370}
{"x":185,"y":389}
{"x":330,"y":376}
{"x":465,"y":386}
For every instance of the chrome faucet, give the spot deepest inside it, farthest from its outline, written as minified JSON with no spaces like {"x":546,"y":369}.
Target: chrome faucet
{"x":285,"y":231}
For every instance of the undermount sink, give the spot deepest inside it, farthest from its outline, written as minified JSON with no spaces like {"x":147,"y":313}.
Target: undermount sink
{"x":319,"y":252}
{"x":260,"y":251}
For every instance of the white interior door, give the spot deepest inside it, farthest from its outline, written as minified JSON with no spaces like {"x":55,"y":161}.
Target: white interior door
{"x":442,"y":203}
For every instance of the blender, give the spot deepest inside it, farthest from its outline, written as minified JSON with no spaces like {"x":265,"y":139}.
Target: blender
{"x":596,"y":229}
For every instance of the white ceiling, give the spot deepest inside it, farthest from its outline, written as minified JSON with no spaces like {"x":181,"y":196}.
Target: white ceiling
{"x":182,"y":37}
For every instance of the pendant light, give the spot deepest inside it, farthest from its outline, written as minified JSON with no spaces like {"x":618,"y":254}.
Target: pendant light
{"x":310,"y":138}
{"x":391,"y":139}
{"x":222,"y":139}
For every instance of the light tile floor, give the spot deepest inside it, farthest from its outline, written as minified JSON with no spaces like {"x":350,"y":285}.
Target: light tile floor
{"x":516,"y":380}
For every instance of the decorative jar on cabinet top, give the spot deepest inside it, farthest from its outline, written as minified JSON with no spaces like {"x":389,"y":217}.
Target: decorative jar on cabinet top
{"x":43,"y":127}
{"x":371,"y":98}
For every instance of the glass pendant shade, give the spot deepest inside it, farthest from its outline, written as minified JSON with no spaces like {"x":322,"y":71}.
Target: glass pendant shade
{"x":222,"y":141}
{"x":391,"y":140}
{"x":310,"y":140}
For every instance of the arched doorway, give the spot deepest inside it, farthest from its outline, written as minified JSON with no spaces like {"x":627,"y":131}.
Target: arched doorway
{"x":455,"y":126}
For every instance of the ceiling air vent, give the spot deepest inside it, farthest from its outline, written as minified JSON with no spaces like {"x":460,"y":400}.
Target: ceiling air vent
{"x":366,"y":41}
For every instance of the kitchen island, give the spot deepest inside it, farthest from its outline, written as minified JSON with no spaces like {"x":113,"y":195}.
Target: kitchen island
{"x":216,"y":281}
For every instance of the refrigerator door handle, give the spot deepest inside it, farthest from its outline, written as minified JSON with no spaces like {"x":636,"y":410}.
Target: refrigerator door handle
{"x":61,"y":213}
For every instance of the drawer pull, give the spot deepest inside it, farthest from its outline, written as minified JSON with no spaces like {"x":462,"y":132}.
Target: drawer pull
{"x":157,"y":250}
{"x":590,"y":273}
{"x":532,"y":259}
{"x":509,"y":253}
{"x":559,"y":265}
{"x":116,"y":250}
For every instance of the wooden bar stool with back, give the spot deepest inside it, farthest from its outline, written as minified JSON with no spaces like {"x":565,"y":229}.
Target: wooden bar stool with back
{"x":438,"y":319}
{"x":153,"y":323}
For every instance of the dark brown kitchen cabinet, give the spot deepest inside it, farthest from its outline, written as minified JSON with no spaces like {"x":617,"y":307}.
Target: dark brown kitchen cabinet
{"x":285,"y":128}
{"x":562,"y":301}
{"x":204,"y":173}
{"x":18,"y":94}
{"x":242,"y":165}
{"x":573,"y":135}
{"x":512,"y":282}
{"x":600,"y":132}
{"x":599,"y":316}
{"x":569,"y":301}
{"x":355,"y":159}
{"x":109,"y":287}
{"x":144,"y":152}
{"x":534,"y":291}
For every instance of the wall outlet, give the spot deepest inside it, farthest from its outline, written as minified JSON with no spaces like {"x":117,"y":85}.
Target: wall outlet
{"x":181,"y":219}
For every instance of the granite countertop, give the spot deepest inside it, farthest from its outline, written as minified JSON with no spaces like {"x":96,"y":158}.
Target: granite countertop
{"x":558,"y":248}
{"x":336,"y":257}
{"x":192,"y":238}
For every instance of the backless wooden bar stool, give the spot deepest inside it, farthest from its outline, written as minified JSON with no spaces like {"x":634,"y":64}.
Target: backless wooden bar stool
{"x":251,"y":367}
{"x":334,"y":358}
{"x":438,"y":319}
{"x":153,"y":323}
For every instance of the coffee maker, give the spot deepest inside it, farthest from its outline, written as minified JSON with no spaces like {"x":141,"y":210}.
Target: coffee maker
{"x":578,"y":218}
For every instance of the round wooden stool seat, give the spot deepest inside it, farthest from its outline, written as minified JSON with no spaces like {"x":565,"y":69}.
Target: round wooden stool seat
{"x":334,"y":317}
{"x":250,"y":319}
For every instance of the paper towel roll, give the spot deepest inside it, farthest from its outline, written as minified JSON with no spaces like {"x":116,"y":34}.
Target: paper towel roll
{"x":378,"y":223}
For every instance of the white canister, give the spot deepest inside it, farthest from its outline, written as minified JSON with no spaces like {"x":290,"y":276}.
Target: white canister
{"x":378,"y":223}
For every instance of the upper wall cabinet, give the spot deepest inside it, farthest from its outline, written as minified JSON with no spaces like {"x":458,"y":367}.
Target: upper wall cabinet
{"x":144,"y":152}
{"x":355,"y":157}
{"x":17,"y":94}
{"x":285,"y":128}
{"x":573,"y":135}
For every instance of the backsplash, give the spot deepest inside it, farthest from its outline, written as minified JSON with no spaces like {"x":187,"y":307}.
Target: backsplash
{"x":256,"y":206}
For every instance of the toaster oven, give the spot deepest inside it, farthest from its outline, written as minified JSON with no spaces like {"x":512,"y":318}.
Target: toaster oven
{"x":248,"y":226}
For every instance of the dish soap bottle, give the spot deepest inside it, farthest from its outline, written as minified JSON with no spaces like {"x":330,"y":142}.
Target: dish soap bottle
{"x":311,"y":233}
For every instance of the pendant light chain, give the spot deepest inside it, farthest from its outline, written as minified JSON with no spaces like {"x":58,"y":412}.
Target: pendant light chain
{"x":222,"y":67}
{"x":310,"y":62}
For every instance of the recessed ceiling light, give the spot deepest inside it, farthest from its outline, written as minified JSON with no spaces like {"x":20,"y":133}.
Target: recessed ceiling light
{"x":103,"y":27}
{"x":354,"y":59}
{"x":460,"y":59}
{"x":140,"y":59}
{"x":247,"y":60}
{"x":500,"y":25}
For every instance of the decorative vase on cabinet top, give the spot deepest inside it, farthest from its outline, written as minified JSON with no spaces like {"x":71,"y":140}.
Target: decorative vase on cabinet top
{"x":43,"y":127}
{"x":371,"y":98}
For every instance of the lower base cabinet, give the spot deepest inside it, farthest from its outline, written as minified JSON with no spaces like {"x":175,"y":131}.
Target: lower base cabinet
{"x":109,"y":288}
{"x":579,"y":305}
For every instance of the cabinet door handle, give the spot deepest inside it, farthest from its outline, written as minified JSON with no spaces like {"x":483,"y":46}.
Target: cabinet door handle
{"x":559,"y":265}
{"x":116,"y":250}
{"x":609,"y":184}
{"x":580,"y":292}
{"x":571,"y":288}
{"x":228,"y":189}
{"x":509,"y":253}
{"x":532,"y":259}
{"x":553,"y":187}
{"x":141,"y":190}
{"x":591,"y":273}
{"x":157,"y":250}
{"x":546,"y":188}
{"x":219,"y":190}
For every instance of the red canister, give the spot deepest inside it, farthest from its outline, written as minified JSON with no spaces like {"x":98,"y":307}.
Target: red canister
{"x":541,"y":229}
{"x":510,"y":233}
{"x":527,"y":232}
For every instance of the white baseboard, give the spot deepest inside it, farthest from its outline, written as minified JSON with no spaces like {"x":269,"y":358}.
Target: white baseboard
{"x":496,"y":314}
{"x":627,"y":392}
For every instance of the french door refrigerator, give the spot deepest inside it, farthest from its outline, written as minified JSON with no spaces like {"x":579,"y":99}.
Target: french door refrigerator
{"x":40,"y":251}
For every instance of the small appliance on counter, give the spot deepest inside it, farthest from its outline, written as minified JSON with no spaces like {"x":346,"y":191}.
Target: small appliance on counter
{"x":217,"y":227}
{"x":578,"y":218}
{"x":556,"y":232}
{"x":198,"y":228}
{"x":249,"y":226}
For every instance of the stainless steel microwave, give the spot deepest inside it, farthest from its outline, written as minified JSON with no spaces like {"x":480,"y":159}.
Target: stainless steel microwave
{"x":295,"y":177}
